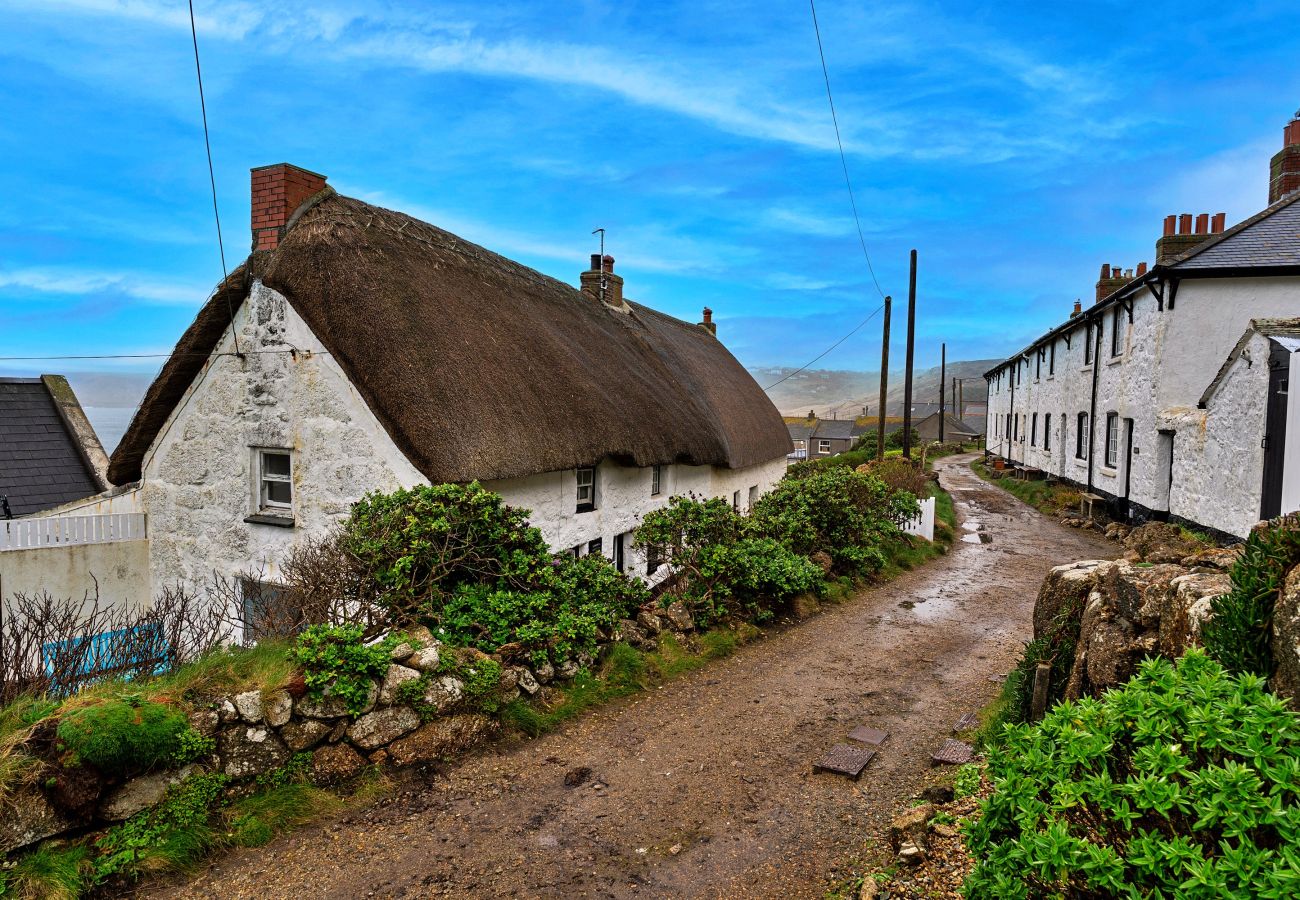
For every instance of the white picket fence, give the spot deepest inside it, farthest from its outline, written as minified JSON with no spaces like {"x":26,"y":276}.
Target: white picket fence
{"x":62,"y":531}
{"x":923,"y":524}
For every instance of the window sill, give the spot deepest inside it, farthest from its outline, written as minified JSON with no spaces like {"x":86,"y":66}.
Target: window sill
{"x":1087,"y":368}
{"x":586,"y":508}
{"x":1109,"y":473}
{"x":270,"y":519}
{"x":1115,"y":360}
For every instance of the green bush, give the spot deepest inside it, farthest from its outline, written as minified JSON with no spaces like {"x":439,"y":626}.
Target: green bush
{"x":748,"y":577}
{"x":1238,"y":632}
{"x":335,"y":657}
{"x":123,"y":736}
{"x":172,"y":835}
{"x":1183,"y":783}
{"x":838,"y":511}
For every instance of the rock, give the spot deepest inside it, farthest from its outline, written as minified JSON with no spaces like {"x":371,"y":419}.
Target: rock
{"x":823,"y":561}
{"x":28,"y":818}
{"x":444,"y":693}
{"x":378,"y":728}
{"x":650,"y":622}
{"x":1065,"y":588}
{"x":567,"y":669}
{"x":527,"y":681}
{"x":944,"y":831}
{"x":545,"y":672}
{"x":248,"y":750}
{"x":443,"y":737}
{"x":1186,"y":608}
{"x":425,"y":659}
{"x":304,"y":734}
{"x":226,"y":711}
{"x":335,"y":763}
{"x":139,"y":794}
{"x":340,"y":731}
{"x":328,"y":706}
{"x":910,"y":825}
{"x":938,"y":793}
{"x":401,"y":651}
{"x":576,"y":776}
{"x":911,"y":853}
{"x":870,"y":889}
{"x":1286,"y":639}
{"x":394,"y":678}
{"x":249,"y":705}
{"x":679,"y":617}
{"x":1221,"y":559}
{"x":205,"y":721}
{"x":1160,"y":542}
{"x":419,"y":636}
{"x":629,"y":632}
{"x":277,"y":708}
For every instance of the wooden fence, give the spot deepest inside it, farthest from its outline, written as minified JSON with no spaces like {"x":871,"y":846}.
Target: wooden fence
{"x":63,"y":531}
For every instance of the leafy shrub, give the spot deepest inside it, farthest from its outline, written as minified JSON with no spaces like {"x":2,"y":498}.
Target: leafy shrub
{"x":747,"y":578}
{"x":123,"y":736}
{"x":894,"y":440}
{"x":173,"y":834}
{"x":838,"y":511}
{"x":966,"y":783}
{"x":901,"y":475}
{"x":1238,"y":632}
{"x":192,"y":746}
{"x":334,"y":657}
{"x":1185,"y":782}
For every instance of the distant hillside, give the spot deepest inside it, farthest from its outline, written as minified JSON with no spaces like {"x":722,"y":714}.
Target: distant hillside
{"x":830,"y":392}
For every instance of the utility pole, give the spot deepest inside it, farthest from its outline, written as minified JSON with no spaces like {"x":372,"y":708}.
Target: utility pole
{"x":907,"y":371}
{"x":943,"y":376}
{"x":884,"y":385}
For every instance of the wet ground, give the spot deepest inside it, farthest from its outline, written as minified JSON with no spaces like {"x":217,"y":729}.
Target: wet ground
{"x":704,"y":787}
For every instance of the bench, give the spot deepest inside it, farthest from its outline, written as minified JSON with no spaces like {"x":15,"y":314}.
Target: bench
{"x":1087,"y":502}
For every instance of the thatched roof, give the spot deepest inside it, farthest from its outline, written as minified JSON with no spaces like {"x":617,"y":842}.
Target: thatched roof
{"x":479,"y":367}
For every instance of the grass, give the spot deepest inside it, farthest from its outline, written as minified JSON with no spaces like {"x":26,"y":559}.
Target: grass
{"x":1042,"y":496}
{"x":255,"y":820}
{"x":910,"y":551}
{"x":47,"y":873}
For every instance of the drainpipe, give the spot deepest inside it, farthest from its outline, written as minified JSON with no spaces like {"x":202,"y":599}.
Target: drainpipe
{"x":1092,"y":406}
{"x":1011,"y":412}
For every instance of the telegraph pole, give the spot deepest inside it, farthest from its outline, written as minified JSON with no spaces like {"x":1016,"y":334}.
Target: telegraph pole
{"x":907,"y":371}
{"x":884,"y":385}
{"x":943,"y":376}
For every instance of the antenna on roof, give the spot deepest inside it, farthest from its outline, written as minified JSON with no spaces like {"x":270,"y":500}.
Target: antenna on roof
{"x":604,"y":280}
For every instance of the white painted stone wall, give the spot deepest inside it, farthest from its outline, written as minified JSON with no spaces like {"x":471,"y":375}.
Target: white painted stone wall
{"x":121,"y":569}
{"x":199,"y":484}
{"x":1168,"y":359}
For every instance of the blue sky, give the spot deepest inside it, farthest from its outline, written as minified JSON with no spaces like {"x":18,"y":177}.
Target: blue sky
{"x":1017,"y":147}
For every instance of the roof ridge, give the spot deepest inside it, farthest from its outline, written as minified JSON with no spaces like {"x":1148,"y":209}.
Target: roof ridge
{"x":1214,"y":240}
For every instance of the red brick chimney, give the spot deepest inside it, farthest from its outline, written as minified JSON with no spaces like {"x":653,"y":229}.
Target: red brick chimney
{"x":278,"y":191}
{"x":600,"y":281}
{"x":1284,"y":168}
{"x":708,"y":324}
{"x":1113,"y":278}
{"x":1175,"y":243}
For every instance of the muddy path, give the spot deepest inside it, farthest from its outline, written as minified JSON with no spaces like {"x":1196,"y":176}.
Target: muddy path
{"x":704,"y":787}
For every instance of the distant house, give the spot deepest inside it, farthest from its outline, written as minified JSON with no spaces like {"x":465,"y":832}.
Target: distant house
{"x":831,"y":436}
{"x":49,"y":454}
{"x":359,"y":349}
{"x":954,"y":429}
{"x":800,"y":433}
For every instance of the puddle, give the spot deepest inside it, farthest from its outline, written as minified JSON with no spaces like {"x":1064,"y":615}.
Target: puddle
{"x":971,"y":526}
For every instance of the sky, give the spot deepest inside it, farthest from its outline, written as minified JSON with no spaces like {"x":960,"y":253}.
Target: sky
{"x":1016,"y":146}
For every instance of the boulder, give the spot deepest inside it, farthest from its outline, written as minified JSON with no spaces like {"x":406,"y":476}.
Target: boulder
{"x":394,"y":678}
{"x":443,"y":737}
{"x":226,"y":711}
{"x":381,"y":727}
{"x":629,"y":632}
{"x":679,"y":617}
{"x":205,"y":721}
{"x":1186,"y":608}
{"x":28,"y":818}
{"x":328,"y":706}
{"x":1286,"y":639}
{"x":527,"y":681}
{"x":1065,"y":588}
{"x":910,"y":825}
{"x":1220,"y":559}
{"x":545,"y":672}
{"x":425,"y":659}
{"x":1160,"y":542}
{"x":335,"y":763}
{"x":249,"y":705}
{"x":444,"y":693}
{"x":567,"y":669}
{"x":303,"y":734}
{"x":649,"y":621}
{"x":249,"y":750}
{"x":277,"y":708}
{"x":139,"y":794}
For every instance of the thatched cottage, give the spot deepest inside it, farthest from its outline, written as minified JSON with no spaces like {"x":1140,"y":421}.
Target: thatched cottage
{"x":359,"y":349}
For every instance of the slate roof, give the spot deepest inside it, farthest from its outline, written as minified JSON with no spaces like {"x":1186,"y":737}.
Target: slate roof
{"x":799,"y":432}
{"x":835,"y":429}
{"x":1270,"y":238}
{"x":41,"y":462}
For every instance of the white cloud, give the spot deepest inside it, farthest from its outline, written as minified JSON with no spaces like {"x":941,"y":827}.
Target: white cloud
{"x":804,"y":222}
{"x":141,"y":286}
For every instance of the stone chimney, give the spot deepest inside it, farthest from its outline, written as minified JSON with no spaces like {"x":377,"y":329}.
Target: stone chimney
{"x":600,"y":281}
{"x":1078,"y":308}
{"x":1284,"y":168}
{"x":1173,"y":243}
{"x":278,"y":191}
{"x":1113,"y":278}
{"x":708,"y":324}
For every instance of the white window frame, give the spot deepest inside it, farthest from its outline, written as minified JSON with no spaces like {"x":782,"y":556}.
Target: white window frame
{"x":753,"y":495}
{"x":1112,"y":440}
{"x":656,"y":480}
{"x":1047,"y":431}
{"x":264,"y":502}
{"x":1083,"y":436}
{"x":823,"y":446}
{"x":585,"y":494}
{"x":1116,"y":339}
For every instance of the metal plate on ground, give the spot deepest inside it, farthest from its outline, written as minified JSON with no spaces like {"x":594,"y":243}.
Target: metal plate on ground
{"x":868,"y":735}
{"x":966,"y":723}
{"x":845,"y":759}
{"x":953,"y":753}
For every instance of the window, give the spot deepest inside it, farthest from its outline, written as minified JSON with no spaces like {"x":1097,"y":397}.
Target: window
{"x":275,"y":481}
{"x":586,"y":489}
{"x":1033,"y":431}
{"x":1116,"y":341}
{"x":1038,"y":364}
{"x":1015,"y":428}
{"x":753,"y":495}
{"x":652,"y":560}
{"x":1087,"y":346}
{"x":1051,"y":359}
{"x":1047,"y":431}
{"x":656,"y":480}
{"x":596,"y":547}
{"x":1007,"y":430}
{"x":1112,"y":440}
{"x":1082,"y":438}
{"x":619,"y":540}
{"x":735,"y":501}
{"x":269,"y":610}
{"x":823,"y":446}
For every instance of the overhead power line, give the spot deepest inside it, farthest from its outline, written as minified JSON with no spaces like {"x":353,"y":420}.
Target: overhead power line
{"x":855,"y":330}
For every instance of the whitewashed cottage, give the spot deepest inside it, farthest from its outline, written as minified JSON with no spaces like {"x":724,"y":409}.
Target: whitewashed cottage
{"x":359,"y":349}
{"x":1168,"y":397}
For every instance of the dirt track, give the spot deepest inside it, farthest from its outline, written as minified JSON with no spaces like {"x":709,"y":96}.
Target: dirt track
{"x":706,"y":788}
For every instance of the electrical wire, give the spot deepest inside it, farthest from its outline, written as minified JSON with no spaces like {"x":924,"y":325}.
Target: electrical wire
{"x":827,"y":350}
{"x":212,"y":177}
{"x":291,"y":350}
